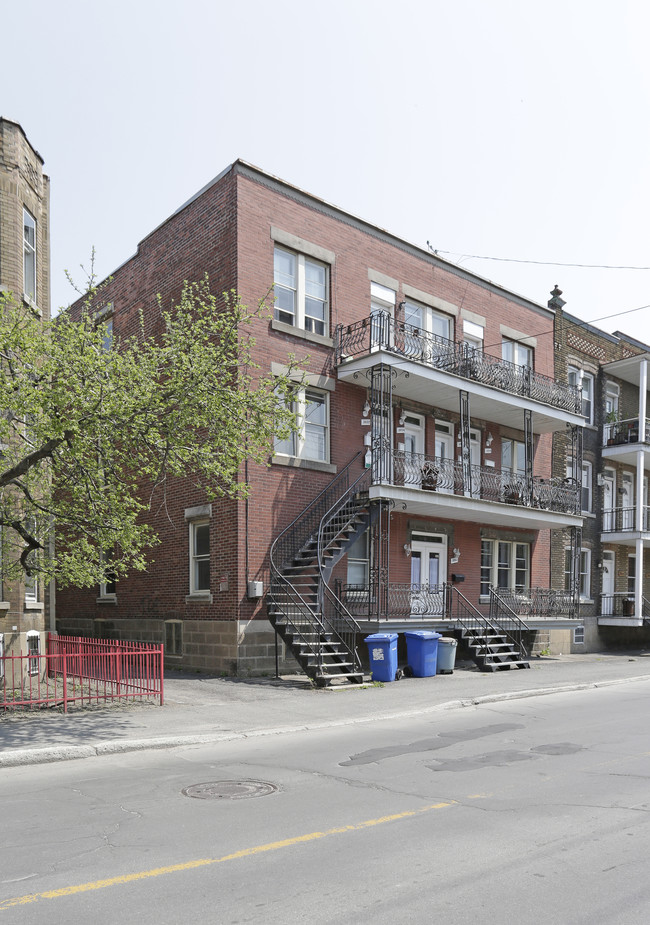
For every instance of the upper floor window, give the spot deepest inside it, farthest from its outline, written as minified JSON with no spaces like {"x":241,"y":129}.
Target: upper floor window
{"x":513,"y":456}
{"x":29,"y":255}
{"x":473,"y":335}
{"x":199,"y":557}
{"x":426,"y":320}
{"x":515,"y":352}
{"x":301,"y":287}
{"x":612,"y":399}
{"x":310,"y":440}
{"x":585,"y":383}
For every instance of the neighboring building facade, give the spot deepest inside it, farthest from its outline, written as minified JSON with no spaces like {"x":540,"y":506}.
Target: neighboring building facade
{"x":611,"y":371}
{"x":25,"y":272}
{"x":419,"y":490}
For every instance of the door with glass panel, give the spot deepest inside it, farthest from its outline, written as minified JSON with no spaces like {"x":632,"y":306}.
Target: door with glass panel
{"x":428,"y":575}
{"x":627,"y":501}
{"x":607,"y":601}
{"x":609,"y":482}
{"x":413,"y":449}
{"x":444,"y":450}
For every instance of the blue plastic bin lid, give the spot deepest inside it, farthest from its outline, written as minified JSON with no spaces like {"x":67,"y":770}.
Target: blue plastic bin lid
{"x":381,"y":637}
{"x":423,"y":634}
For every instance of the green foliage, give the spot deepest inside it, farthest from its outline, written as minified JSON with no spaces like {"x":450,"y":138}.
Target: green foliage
{"x":93,"y":431}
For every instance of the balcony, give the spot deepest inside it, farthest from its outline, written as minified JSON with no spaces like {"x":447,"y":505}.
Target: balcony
{"x":623,"y":439}
{"x":430,"y":485}
{"x":618,"y":610}
{"x":496,"y":386}
{"x":623,"y":520}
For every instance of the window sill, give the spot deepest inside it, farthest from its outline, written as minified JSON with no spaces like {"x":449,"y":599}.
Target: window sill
{"x":297,"y":463}
{"x":284,"y":328}
{"x":199,"y":597}
{"x":4,"y":605}
{"x":107,"y":599}
{"x":32,"y":304}
{"x":588,"y":514}
{"x":34,"y":605}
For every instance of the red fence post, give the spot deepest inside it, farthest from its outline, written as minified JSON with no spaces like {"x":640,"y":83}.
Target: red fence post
{"x":65,"y":682}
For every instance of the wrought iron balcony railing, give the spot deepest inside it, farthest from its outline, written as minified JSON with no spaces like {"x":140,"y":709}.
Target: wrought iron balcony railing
{"x":431,"y":473}
{"x":623,"y":519}
{"x":382,"y":332}
{"x":539,"y":602}
{"x":621,"y":604}
{"x":617,"y":433}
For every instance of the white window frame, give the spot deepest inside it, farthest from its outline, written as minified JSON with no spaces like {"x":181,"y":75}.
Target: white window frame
{"x":29,"y":250}
{"x":494,"y":569}
{"x":587,"y":492}
{"x":585,"y":383}
{"x":473,"y":335}
{"x":585,"y":573}
{"x":196,"y":558}
{"x":359,"y":556}
{"x":522,"y":354}
{"x":296,"y":446}
{"x":33,"y":657}
{"x":612,"y":397}
{"x":105,"y":593}
{"x":32,"y":589}
{"x":429,"y":316}
{"x":579,"y":635}
{"x":302,"y":320}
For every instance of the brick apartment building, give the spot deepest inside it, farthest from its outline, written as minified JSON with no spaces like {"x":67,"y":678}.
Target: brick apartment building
{"x":614,"y":576}
{"x":24,"y":272}
{"x":419,"y":490}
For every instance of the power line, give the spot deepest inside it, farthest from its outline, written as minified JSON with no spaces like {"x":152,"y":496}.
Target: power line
{"x":540,"y":263}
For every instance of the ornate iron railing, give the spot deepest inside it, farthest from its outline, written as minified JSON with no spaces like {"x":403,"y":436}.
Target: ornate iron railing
{"x":403,"y":601}
{"x":626,"y":431}
{"x":431,"y":473}
{"x":539,"y":602}
{"x":623,"y":519}
{"x":382,"y":332}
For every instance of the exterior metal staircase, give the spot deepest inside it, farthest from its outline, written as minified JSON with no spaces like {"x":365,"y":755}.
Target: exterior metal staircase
{"x":495,"y":643}
{"x":306,"y":614}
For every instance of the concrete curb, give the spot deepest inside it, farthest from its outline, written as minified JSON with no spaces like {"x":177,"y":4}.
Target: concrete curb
{"x":47,"y":755}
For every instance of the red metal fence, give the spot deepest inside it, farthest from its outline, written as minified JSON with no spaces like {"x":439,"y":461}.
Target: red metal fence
{"x":79,"y":672}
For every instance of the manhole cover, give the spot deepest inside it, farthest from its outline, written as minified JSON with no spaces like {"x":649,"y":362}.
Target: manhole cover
{"x":230,"y":790}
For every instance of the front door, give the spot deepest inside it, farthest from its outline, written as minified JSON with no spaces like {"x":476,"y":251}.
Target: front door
{"x":608,"y":502}
{"x":413,"y":449}
{"x":627,"y":501}
{"x":444,"y":444}
{"x":607,"y":603}
{"x":428,"y":575}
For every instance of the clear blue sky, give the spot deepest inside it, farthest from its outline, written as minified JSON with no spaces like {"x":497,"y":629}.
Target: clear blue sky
{"x":504,"y":129}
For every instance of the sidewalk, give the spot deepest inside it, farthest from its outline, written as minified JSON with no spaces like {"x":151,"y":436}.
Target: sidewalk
{"x":200,"y":709}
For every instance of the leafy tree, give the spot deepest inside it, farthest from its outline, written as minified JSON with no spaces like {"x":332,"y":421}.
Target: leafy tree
{"x":92,"y":431}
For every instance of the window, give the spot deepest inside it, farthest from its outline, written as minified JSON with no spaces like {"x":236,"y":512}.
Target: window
{"x":585,"y":384}
{"x":358,"y":562}
{"x":579,"y":635}
{"x":31,"y":589}
{"x":33,"y":651}
{"x":301,"y":291}
{"x":173,"y":637}
{"x":382,"y":309}
{"x":473,"y":335}
{"x":29,"y":255}
{"x":517,"y":353}
{"x":584,"y":585}
{"x":107,"y":340}
{"x":108,"y":587}
{"x":199,"y":557}
{"x":631,"y":575}
{"x":504,"y":565}
{"x":612,"y":398}
{"x":513,"y":456}
{"x":311,"y":438}
{"x":425,"y":319}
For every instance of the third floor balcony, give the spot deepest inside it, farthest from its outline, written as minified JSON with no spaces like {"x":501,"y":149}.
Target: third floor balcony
{"x":420,"y":358}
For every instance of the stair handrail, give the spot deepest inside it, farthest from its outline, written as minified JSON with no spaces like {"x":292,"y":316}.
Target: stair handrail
{"x":517,"y":625}
{"x":289,"y":542}
{"x":309,"y":518}
{"x":344,"y":626}
{"x":475,"y":620}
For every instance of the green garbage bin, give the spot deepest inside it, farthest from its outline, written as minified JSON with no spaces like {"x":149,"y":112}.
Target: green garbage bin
{"x":446,"y":654}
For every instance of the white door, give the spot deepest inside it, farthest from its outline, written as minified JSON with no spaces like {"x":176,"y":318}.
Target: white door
{"x":428,"y":575}
{"x":608,"y":502}
{"x":627,"y":501}
{"x":607,"y":606}
{"x":413,"y":449}
{"x":475,"y":462}
{"x":444,"y":450}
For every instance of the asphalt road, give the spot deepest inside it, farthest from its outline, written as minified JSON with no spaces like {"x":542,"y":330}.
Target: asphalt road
{"x":533,"y":811}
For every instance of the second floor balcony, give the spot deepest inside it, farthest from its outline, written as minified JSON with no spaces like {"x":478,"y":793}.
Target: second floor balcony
{"x":381,"y":337}
{"x":624,"y":520}
{"x":432,"y":485}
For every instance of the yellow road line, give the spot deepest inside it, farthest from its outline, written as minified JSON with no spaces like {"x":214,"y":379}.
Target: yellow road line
{"x":204,"y":862}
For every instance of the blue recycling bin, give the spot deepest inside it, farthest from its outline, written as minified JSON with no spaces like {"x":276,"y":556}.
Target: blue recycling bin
{"x":422,"y":652}
{"x":382,"y":650}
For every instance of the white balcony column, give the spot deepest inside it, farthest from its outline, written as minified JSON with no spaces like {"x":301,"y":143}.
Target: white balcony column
{"x":643,"y":397}
{"x":638,"y":580}
{"x":643,"y":385}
